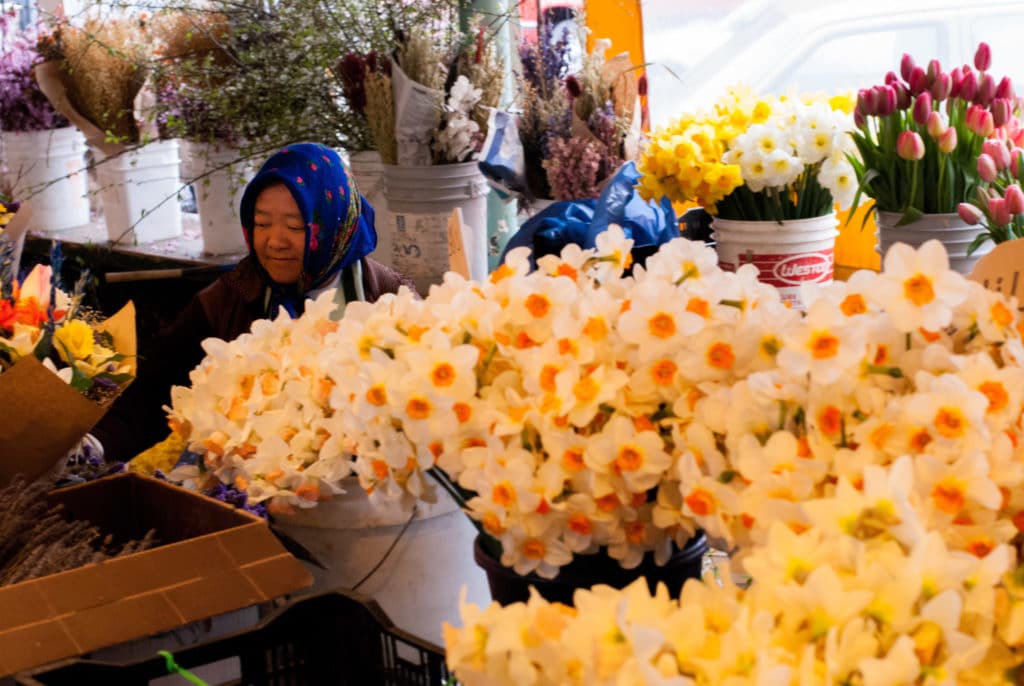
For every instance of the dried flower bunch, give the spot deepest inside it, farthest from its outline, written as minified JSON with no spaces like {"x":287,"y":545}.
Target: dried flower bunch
{"x":36,"y":540}
{"x":103,"y":70}
{"x":366,"y":84}
{"x":575,"y":124}
{"x":23,"y":107}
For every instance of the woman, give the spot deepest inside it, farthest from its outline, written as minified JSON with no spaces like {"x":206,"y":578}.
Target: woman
{"x":308,"y":230}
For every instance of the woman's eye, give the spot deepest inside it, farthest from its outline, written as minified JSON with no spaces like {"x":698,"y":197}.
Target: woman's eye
{"x":297,"y":228}
{"x":261,"y":226}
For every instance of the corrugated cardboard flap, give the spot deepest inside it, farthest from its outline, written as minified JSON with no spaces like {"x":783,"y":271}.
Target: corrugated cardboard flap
{"x":215,"y":559}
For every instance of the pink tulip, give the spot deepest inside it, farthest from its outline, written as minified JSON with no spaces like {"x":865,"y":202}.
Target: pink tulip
{"x":980,"y":121}
{"x":891,"y":78}
{"x":998,"y":211}
{"x":864,"y":102}
{"x":956,"y":77}
{"x":918,"y":81}
{"x":941,"y":87}
{"x":968,"y":86}
{"x":983,"y":57}
{"x":936,"y":125}
{"x":1000,"y":111}
{"x":906,"y":66}
{"x":969,"y":213}
{"x":922,"y":107}
{"x":903,"y":98}
{"x":909,"y":145}
{"x":1014,"y":197}
{"x":858,"y":119}
{"x":1016,"y":155}
{"x":997,"y":150}
{"x":934,"y":69}
{"x":1005,"y":88}
{"x":986,"y":89}
{"x":986,"y":167}
{"x":886,"y":100}
{"x":947,"y":141}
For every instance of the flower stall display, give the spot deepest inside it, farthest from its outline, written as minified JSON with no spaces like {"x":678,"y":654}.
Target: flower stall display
{"x":771,"y":170}
{"x":867,"y":473}
{"x":43,"y":153}
{"x":919,"y":137}
{"x":95,"y":76}
{"x":60,"y":368}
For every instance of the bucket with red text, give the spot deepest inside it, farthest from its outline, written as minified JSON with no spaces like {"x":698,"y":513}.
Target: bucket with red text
{"x":787,"y":254}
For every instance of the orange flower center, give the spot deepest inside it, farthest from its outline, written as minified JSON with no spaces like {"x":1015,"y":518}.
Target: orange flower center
{"x":699,"y":306}
{"x":664,"y":372}
{"x":503,"y":494}
{"x":586,"y":389}
{"x":1001,"y":314}
{"x":721,"y":356}
{"x":607,"y":503}
{"x":918,"y":289}
{"x":700,"y":502}
{"x":853,"y":304}
{"x":572,"y":460}
{"x":595,"y":329}
{"x":920,"y":440}
{"x":547,"y":377}
{"x":996,"y":393}
{"x":443,"y":375}
{"x":662,"y":325}
{"x":948,"y":496}
{"x":950,"y":422}
{"x":380,"y":469}
{"x":629,"y":459}
{"x":538,"y":305}
{"x":830,"y":420}
{"x":566,"y":270}
{"x":581,"y":524}
{"x":824,"y":345}
{"x":492,"y":524}
{"x":534,"y":549}
{"x":418,"y":408}
{"x":462,"y":412}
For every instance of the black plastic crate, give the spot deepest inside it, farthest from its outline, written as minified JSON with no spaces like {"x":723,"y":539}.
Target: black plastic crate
{"x":332,"y":638}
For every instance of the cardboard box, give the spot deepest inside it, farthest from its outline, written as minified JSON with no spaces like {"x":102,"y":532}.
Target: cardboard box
{"x":212,"y":558}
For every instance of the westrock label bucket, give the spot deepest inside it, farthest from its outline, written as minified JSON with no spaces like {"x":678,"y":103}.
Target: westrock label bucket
{"x":787,"y":254}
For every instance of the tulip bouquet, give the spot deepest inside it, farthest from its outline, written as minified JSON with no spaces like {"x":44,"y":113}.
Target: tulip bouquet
{"x":863,"y":462}
{"x":919,"y":135}
{"x":999,"y":203}
{"x":755,"y":159}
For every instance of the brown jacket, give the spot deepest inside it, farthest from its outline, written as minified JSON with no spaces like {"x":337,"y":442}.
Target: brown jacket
{"x":225,"y":309}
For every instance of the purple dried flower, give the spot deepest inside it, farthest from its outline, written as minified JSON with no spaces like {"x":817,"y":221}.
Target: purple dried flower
{"x":23,"y":107}
{"x":572,"y":85}
{"x":577,"y":166}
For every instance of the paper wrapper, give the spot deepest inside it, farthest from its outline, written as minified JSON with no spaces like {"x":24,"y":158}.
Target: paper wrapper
{"x":417,"y":114}
{"x":48,"y":76}
{"x":44,"y":417}
{"x":999,"y":270}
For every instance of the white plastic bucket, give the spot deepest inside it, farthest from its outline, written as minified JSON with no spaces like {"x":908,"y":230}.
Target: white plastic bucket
{"x":219,"y":180}
{"x":954,"y":233}
{"x":139,"y":191}
{"x":45,"y":170}
{"x":368,"y":171}
{"x":788,"y":255}
{"x":422,"y":200}
{"x":419,"y":582}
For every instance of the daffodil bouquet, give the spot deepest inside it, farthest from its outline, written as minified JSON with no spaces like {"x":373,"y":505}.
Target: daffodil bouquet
{"x":755,"y":159}
{"x":862,"y":460}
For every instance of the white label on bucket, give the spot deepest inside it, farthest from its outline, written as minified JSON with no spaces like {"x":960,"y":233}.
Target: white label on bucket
{"x":420,"y":248}
{"x":781,"y":270}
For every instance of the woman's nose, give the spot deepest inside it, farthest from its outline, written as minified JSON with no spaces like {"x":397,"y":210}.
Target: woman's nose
{"x":278,"y":237}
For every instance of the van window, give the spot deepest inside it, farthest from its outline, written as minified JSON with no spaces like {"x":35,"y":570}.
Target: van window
{"x":855,"y":60}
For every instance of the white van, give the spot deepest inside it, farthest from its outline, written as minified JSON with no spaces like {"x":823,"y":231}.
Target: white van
{"x":821,"y":45}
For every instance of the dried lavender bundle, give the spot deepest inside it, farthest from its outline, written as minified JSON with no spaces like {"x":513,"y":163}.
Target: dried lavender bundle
{"x":36,"y":541}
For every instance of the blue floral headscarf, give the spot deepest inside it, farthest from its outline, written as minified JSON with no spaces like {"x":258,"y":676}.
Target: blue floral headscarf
{"x":339,"y":221}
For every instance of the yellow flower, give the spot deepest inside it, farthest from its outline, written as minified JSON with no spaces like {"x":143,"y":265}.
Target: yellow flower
{"x":74,"y":339}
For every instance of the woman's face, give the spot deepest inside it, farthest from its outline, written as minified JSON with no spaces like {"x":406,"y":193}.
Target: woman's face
{"x":279,"y":234}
